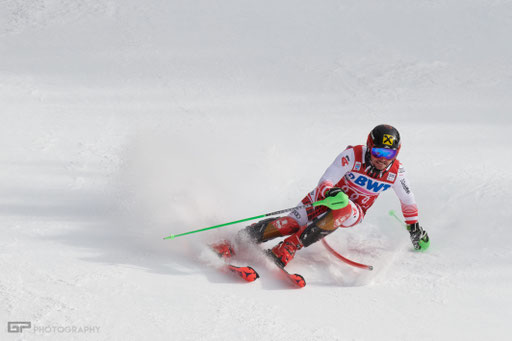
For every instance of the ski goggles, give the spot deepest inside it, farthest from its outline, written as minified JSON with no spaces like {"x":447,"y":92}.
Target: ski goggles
{"x":384,"y":152}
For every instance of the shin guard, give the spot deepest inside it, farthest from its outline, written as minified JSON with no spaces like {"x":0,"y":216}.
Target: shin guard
{"x":270,"y":228}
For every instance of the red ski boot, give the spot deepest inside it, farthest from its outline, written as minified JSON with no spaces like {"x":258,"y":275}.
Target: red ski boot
{"x":285,"y":250}
{"x":223,"y":249}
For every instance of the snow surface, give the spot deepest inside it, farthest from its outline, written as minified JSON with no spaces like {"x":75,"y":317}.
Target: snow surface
{"x":125,"y":121}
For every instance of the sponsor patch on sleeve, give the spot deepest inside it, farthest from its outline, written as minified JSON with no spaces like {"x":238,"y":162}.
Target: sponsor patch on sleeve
{"x":357,"y":166}
{"x":405,"y":187}
{"x":391,"y":176}
{"x":344,"y":161}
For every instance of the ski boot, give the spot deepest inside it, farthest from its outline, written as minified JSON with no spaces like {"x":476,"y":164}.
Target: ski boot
{"x":284,"y":252}
{"x":223,"y":249}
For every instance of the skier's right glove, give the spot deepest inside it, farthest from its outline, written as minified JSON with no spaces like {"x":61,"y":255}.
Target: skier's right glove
{"x":332,"y":192}
{"x":419,"y":237}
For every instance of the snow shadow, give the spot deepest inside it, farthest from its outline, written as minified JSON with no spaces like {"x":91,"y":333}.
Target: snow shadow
{"x":82,"y":209}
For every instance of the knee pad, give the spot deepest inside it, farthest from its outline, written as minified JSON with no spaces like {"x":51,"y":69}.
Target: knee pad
{"x":339,"y":217}
{"x":356,"y":216}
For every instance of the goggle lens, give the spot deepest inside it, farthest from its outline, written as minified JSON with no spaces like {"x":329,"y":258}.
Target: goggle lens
{"x":384,"y":152}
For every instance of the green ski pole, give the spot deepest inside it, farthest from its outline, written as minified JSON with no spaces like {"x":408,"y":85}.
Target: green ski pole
{"x":424,"y":244}
{"x":336,"y":202}
{"x":393,"y":214}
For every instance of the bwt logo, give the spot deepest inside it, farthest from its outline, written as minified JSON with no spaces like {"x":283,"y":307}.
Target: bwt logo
{"x":370,"y":185}
{"x":17,"y":327}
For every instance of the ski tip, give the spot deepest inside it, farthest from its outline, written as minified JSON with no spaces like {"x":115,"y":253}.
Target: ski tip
{"x":247,"y":273}
{"x":298,"y":280}
{"x":301,"y":283}
{"x":255,"y":273}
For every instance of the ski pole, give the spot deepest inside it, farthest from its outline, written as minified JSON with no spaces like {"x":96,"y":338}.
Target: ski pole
{"x":346,"y":260}
{"x":423,"y":244}
{"x":393,"y":214}
{"x":336,"y":202}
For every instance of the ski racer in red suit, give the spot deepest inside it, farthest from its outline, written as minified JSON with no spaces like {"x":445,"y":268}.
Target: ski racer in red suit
{"x":363,"y":172}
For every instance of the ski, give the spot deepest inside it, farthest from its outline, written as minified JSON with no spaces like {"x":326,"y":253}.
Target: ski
{"x":245,"y":272}
{"x":296,"y":280}
{"x":225,"y":251}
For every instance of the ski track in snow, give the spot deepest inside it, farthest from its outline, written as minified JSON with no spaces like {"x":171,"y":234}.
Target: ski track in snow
{"x":123,"y":122}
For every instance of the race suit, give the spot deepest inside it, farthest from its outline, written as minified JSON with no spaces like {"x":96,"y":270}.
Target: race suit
{"x":350,"y":172}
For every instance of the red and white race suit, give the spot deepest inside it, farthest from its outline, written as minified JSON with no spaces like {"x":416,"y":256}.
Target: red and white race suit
{"x":348,"y":173}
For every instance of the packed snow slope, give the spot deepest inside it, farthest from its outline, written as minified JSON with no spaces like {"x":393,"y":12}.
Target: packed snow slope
{"x":125,"y":121}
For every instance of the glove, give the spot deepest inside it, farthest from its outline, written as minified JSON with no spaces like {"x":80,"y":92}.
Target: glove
{"x":332,"y":192}
{"x":419,"y":237}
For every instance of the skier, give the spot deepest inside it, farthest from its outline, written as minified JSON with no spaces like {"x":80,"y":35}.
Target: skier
{"x":362,"y":172}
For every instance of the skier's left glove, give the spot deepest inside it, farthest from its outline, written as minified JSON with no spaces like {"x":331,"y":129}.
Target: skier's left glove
{"x":419,"y":237}
{"x":332,"y":192}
